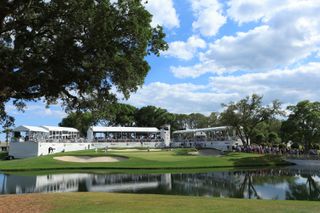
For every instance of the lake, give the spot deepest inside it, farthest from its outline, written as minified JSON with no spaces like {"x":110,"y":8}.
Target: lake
{"x":290,"y":183}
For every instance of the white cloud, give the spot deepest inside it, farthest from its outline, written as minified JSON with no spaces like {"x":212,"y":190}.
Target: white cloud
{"x":37,"y":110}
{"x":196,"y":70}
{"x":287,"y":37}
{"x":288,"y":85}
{"x":163,"y":12}
{"x":209,"y":17}
{"x":243,"y":11}
{"x":179,"y":98}
{"x":185,"y":50}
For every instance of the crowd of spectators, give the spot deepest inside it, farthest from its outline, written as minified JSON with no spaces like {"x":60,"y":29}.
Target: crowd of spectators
{"x":275,"y":150}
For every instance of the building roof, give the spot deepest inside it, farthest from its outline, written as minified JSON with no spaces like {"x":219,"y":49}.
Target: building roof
{"x":123,"y":129}
{"x":201,"y":130}
{"x":25,"y":128}
{"x":60,"y":129}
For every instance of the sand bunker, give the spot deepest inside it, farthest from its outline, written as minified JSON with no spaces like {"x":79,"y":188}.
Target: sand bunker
{"x":88,"y":159}
{"x":207,"y":152}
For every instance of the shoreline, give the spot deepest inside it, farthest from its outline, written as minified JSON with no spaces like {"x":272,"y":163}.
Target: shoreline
{"x":248,"y":166}
{"x":114,"y":202}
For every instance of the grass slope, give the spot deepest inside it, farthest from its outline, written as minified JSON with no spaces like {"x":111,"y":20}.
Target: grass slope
{"x":111,"y":202}
{"x":143,"y":160}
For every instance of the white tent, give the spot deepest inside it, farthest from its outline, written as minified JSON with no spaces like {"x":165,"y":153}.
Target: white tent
{"x":111,"y":129}
{"x":24,"y":128}
{"x":123,"y":129}
{"x":220,"y":128}
{"x":60,"y":129}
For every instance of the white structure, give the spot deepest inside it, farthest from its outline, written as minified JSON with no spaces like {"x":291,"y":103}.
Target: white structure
{"x":57,"y":132}
{"x":26,"y":133}
{"x":30,"y":141}
{"x":129,"y":136}
{"x":221,"y":138}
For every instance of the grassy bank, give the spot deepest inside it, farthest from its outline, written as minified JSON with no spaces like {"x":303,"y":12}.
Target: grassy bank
{"x":111,"y":202}
{"x":143,"y":160}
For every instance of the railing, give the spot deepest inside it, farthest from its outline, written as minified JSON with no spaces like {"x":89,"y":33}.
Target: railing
{"x":82,"y":140}
{"x":128,"y":140}
{"x":204,"y":140}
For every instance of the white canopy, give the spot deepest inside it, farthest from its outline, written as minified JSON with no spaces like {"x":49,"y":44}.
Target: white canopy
{"x":123,"y":129}
{"x":202,"y":130}
{"x":60,"y":129}
{"x":25,"y":128}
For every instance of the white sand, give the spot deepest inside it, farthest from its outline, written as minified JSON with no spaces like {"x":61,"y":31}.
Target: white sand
{"x":207,"y":152}
{"x":88,"y":159}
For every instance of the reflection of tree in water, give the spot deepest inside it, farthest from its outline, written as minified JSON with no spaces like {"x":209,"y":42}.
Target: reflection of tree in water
{"x":308,"y":191}
{"x":237,"y":184}
{"x":247,"y":187}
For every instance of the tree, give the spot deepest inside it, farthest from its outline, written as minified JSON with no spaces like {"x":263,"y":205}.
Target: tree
{"x":117,"y":114}
{"x":7,"y":132}
{"x":246,"y":114}
{"x":79,"y":120}
{"x":303,"y":123}
{"x":213,"y":119}
{"x":151,"y":116}
{"x":180,"y":122}
{"x":74,"y":51}
{"x":267,"y":131}
{"x":273,"y":138}
{"x":197,"y":120}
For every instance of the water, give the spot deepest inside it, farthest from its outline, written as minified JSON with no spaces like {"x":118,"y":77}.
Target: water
{"x":291,"y":183}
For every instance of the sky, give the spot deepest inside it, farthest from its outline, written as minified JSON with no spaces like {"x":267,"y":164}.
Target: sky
{"x":221,"y":51}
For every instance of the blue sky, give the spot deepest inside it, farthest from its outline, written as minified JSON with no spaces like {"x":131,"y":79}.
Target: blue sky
{"x":221,"y":51}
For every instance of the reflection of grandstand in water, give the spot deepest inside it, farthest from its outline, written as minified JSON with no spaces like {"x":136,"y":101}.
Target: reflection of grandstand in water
{"x":128,"y":183}
{"x":14,"y":184}
{"x":294,"y":183}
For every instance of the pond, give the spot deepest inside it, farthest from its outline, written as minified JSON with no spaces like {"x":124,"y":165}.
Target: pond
{"x":291,"y":183}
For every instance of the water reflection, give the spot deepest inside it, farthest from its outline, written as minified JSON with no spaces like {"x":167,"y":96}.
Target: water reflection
{"x":283,"y":184}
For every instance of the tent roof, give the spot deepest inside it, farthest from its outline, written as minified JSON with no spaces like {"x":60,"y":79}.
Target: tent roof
{"x":25,"y":128}
{"x":60,"y":129}
{"x":202,"y":130}
{"x":123,"y":129}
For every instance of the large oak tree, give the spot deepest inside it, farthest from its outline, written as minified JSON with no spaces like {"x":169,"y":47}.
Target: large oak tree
{"x":246,"y":114}
{"x":303,"y":123}
{"x":74,"y":51}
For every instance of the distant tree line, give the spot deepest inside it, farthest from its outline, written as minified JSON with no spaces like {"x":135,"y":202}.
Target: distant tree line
{"x":119,"y":114}
{"x":254,"y":122}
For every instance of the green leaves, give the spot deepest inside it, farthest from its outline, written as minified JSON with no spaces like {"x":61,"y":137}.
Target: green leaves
{"x":74,"y":50}
{"x":246,"y":114}
{"x":303,"y":124}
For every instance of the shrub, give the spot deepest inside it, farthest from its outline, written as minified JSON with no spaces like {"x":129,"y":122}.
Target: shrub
{"x":315,"y":146}
{"x":282,"y":146}
{"x":295,"y":146}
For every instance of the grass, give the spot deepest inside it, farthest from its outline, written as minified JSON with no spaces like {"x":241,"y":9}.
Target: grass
{"x":112,"y":202}
{"x":143,"y":160}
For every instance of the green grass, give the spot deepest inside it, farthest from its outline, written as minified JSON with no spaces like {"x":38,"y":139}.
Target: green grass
{"x":137,"y":203}
{"x":143,"y":160}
